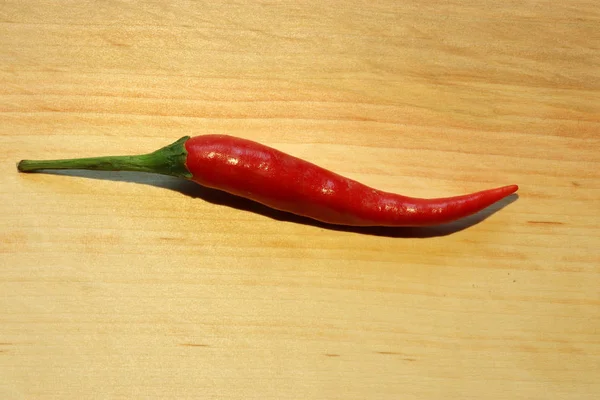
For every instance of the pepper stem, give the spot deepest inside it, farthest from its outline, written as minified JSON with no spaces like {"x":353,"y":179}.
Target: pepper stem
{"x":169,"y":160}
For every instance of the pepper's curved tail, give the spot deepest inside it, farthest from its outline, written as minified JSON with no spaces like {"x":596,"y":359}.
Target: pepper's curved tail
{"x":426,"y":212}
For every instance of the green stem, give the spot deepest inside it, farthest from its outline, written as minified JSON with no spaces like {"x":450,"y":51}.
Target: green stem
{"x":169,"y":160}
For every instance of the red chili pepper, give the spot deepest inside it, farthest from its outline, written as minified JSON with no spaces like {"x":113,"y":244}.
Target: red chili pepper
{"x":281,"y":181}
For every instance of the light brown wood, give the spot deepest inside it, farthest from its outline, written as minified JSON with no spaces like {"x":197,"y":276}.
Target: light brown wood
{"x":121,"y":285}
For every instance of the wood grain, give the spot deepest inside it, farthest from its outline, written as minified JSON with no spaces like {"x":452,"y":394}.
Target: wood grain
{"x":122,"y":285}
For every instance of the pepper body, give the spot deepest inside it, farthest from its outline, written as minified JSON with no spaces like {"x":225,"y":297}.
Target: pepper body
{"x":284,"y":182}
{"x":281,"y":181}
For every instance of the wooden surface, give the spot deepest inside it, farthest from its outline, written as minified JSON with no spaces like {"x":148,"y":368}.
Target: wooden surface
{"x":122,"y":285}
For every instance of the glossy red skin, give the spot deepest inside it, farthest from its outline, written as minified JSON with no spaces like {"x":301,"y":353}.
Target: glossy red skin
{"x":281,"y":181}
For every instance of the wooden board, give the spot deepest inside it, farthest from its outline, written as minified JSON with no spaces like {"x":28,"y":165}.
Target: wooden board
{"x":123,"y":285}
